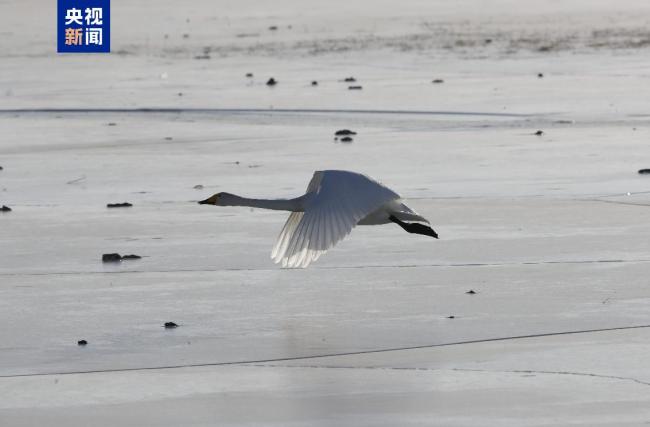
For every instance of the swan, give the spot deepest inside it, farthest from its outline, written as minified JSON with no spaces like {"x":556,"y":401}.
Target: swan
{"x":335,"y":202}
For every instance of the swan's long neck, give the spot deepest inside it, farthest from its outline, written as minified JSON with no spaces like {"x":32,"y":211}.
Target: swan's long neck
{"x":292,"y":205}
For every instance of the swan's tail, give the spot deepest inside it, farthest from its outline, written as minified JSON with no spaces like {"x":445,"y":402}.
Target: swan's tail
{"x":404,"y":213}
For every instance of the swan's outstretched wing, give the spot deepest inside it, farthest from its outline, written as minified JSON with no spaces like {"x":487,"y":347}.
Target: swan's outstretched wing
{"x":335,"y":202}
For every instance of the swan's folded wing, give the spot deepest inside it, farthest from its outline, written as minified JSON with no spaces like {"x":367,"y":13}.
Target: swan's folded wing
{"x":336,"y":202}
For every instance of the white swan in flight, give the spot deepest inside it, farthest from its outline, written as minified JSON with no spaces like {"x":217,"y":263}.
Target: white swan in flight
{"x":335,"y":202}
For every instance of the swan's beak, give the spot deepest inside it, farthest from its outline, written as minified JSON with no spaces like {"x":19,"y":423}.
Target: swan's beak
{"x":212,"y":200}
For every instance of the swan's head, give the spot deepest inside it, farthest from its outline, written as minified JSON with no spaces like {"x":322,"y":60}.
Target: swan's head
{"x":219,"y":199}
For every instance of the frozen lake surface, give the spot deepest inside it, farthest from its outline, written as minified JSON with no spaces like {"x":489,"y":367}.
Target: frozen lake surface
{"x":550,"y":231}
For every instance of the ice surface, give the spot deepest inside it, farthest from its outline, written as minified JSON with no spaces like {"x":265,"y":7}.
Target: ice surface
{"x":551,"y":231}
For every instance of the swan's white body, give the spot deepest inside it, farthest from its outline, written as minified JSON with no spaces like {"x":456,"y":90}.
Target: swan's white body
{"x":335,"y":202}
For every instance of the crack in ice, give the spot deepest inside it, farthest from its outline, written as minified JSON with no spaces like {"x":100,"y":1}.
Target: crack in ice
{"x":416,"y":368}
{"x":327,"y":355}
{"x":340,"y":267}
{"x":580,"y":374}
